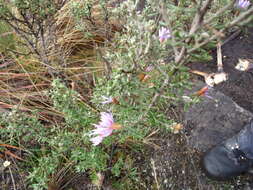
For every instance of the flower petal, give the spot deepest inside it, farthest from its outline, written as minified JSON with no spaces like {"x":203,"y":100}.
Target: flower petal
{"x":96,"y":140}
{"x":242,"y":4}
{"x":164,"y":34}
{"x":106,"y":119}
{"x":107,"y":100}
{"x":104,"y":132}
{"x":103,"y":129}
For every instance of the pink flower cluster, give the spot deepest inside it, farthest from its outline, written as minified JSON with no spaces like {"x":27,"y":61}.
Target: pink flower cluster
{"x":104,"y":128}
{"x":242,"y":4}
{"x":164,"y":34}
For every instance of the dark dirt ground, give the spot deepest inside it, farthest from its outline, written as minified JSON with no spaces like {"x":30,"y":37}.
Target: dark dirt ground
{"x":175,"y":166}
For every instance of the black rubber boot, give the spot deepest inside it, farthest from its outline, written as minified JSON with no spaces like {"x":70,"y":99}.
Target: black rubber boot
{"x":231,"y":158}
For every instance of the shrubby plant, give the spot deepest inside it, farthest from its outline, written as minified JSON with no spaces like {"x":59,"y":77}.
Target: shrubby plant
{"x":34,"y":23}
{"x":144,"y":76}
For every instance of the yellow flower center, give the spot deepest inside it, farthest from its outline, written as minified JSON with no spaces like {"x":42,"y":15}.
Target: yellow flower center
{"x":116,"y":126}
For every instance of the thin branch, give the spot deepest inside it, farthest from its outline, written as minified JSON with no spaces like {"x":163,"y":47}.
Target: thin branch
{"x":231,"y":37}
{"x":181,"y":55}
{"x":31,"y":44}
{"x":202,"y":43}
{"x":241,"y":17}
{"x":156,"y":96}
{"x":107,"y":64}
{"x":219,"y":12}
{"x":198,"y":19}
{"x":167,"y":20}
{"x":229,"y":25}
{"x":196,"y":24}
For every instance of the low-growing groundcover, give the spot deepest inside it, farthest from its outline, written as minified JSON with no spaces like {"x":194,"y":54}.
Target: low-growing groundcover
{"x":99,"y":109}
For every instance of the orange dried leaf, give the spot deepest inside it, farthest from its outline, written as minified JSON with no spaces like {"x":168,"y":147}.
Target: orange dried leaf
{"x":202,"y":91}
{"x":11,"y":146}
{"x":115,"y":101}
{"x":141,"y":76}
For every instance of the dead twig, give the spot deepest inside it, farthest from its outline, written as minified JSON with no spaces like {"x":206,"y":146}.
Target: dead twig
{"x":219,"y":58}
{"x":13,"y":155}
{"x":12,"y":179}
{"x":216,"y":32}
{"x":155,"y":174}
{"x":231,"y":37}
{"x":147,"y":140}
{"x":14,"y":164}
{"x":213,"y":78}
{"x":11,"y":146}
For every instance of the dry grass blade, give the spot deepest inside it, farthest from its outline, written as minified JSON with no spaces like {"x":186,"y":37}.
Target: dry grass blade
{"x":62,"y":178}
{"x":12,"y":179}
{"x":11,"y":146}
{"x":8,"y":106}
{"x":7,"y":152}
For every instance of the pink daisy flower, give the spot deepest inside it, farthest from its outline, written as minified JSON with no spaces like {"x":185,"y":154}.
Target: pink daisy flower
{"x":104,"y":128}
{"x":164,"y":34}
